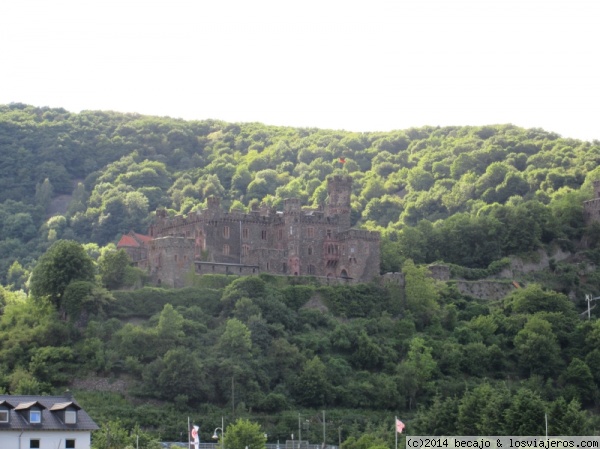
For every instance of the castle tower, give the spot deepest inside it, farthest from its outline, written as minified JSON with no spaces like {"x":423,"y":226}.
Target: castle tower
{"x":596,"y":189}
{"x":339,"y":189}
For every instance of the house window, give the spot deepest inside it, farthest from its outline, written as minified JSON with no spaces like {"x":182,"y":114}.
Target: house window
{"x":3,"y":415}
{"x":70,"y":417}
{"x":35,"y":417}
{"x":245,"y":233}
{"x":226,"y":232}
{"x":34,"y":444}
{"x":310,"y":232}
{"x":69,"y":444}
{"x":226,"y":250}
{"x":263,"y":235}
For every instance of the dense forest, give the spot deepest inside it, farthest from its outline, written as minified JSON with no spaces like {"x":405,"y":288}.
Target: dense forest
{"x":273,"y":349}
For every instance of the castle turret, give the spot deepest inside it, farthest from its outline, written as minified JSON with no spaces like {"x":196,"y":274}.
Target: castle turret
{"x":339,"y":189}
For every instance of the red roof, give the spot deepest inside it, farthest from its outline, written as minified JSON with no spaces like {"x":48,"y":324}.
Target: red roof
{"x":127,"y":240}
{"x":142,"y":237}
{"x":133,"y":240}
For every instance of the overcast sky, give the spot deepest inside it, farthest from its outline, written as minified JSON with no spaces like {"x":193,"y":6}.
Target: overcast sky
{"x":372,"y":65}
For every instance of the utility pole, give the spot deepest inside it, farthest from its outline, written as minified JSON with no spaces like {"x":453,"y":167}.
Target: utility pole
{"x":324,"y":429}
{"x":299,"y":432}
{"x":589,"y":300}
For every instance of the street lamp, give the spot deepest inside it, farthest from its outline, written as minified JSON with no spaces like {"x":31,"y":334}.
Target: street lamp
{"x":216,"y":437}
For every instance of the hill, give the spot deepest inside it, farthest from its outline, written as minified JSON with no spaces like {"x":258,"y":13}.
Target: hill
{"x":483,"y":201}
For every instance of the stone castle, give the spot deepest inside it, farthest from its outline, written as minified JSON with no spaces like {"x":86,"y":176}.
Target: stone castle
{"x":297,"y":241}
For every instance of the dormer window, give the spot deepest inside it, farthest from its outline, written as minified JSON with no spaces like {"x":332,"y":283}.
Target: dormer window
{"x":66,"y":411}
{"x":70,"y":417}
{"x":35,"y":416}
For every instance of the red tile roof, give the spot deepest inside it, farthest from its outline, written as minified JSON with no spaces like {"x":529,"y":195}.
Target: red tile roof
{"x":133,"y":239}
{"x":127,"y":240}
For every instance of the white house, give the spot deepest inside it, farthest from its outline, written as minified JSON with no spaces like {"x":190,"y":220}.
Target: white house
{"x":44,"y":422}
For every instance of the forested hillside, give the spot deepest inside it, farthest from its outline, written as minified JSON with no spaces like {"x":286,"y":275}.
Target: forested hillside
{"x":270,"y":348}
{"x":485,"y":192}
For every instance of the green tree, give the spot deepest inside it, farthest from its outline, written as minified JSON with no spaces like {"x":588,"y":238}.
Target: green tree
{"x":525,"y":416}
{"x":537,"y":348}
{"x":243,"y":434}
{"x":578,"y":383}
{"x":313,"y":387}
{"x":236,"y":340}
{"x":112,"y":267}
{"x":421,"y":293}
{"x":64,"y":262}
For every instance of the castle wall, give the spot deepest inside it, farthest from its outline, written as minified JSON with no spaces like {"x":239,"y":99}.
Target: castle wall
{"x":170,"y":259}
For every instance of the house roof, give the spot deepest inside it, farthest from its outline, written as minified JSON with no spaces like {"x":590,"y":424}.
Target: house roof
{"x":51,"y":408}
{"x":133,"y":239}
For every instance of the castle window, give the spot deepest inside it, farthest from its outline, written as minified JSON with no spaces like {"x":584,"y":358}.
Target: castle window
{"x":291,"y":230}
{"x":309,"y":250}
{"x":263,"y":234}
{"x":226,"y":232}
{"x":329,"y":233}
{"x":245,"y":233}
{"x":175,"y":257}
{"x":280,"y":234}
{"x":226,"y":250}
{"x":245,"y":250}
{"x":311,"y":269}
{"x":284,"y":268}
{"x":310,"y":232}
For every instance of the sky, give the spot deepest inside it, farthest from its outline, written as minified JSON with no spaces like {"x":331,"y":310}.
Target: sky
{"x":372,"y":65}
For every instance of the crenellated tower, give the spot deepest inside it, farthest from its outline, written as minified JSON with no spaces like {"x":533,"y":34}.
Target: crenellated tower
{"x":339,"y":189}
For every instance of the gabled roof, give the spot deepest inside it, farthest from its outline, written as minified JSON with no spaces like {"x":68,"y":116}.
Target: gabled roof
{"x":6,"y":404}
{"x":65,"y":405}
{"x":127,"y":240}
{"x":51,"y":408}
{"x":133,"y":239}
{"x":28,"y":405}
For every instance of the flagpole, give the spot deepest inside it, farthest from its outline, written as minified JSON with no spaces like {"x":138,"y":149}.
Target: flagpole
{"x":189,"y":434}
{"x":396,"y":430}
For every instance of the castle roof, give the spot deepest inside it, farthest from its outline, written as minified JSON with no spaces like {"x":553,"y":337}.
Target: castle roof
{"x":133,"y":239}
